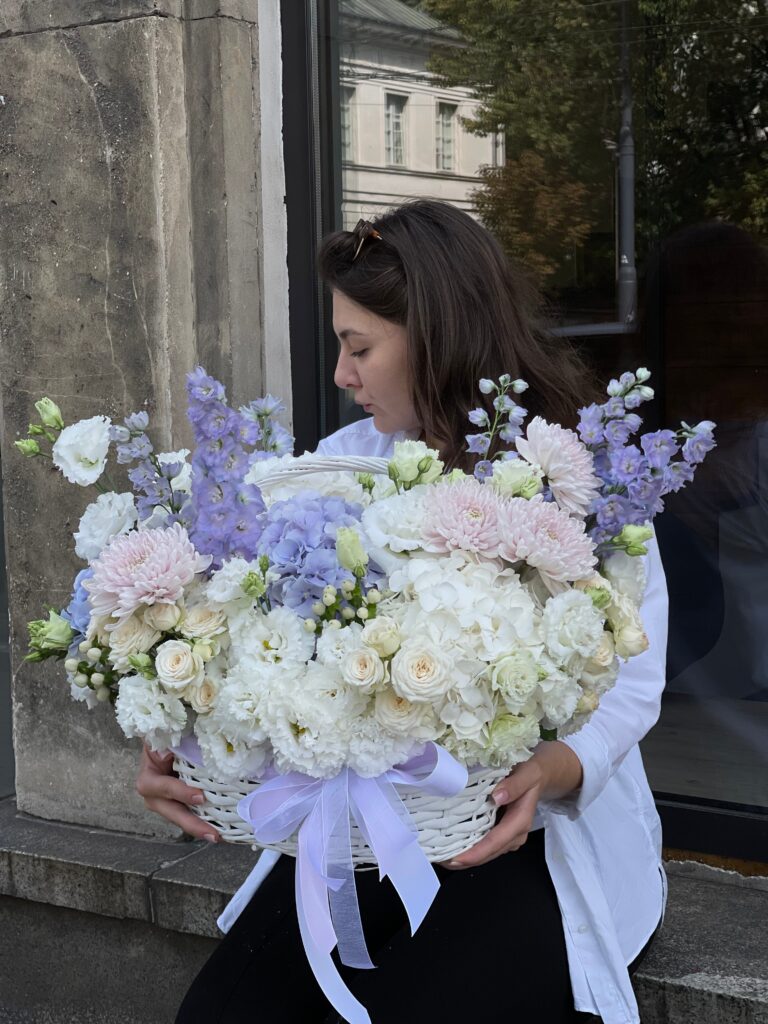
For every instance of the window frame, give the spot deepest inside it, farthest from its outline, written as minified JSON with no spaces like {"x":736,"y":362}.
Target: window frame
{"x":453,"y":121}
{"x":402,"y":125}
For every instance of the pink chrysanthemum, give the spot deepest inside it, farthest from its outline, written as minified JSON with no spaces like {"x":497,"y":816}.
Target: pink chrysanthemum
{"x":141,"y":568}
{"x":565,"y":460}
{"x":462,"y":515}
{"x":547,"y":538}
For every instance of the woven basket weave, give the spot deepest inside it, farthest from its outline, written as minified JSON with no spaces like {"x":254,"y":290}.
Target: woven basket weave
{"x":445,"y":826}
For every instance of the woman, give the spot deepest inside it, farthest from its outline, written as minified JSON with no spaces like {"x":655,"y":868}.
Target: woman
{"x":540,"y":919}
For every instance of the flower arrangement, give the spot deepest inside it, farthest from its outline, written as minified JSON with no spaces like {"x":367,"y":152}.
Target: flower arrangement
{"x":336,"y":626}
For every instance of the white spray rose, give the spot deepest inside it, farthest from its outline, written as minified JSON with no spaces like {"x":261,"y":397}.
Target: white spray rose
{"x":202,"y":623}
{"x":381,"y":634}
{"x":403,"y":718}
{"x":628,"y":633}
{"x":363,"y":668}
{"x":133,"y":636}
{"x":516,"y":677}
{"x":515,"y":478}
{"x":178,"y":666}
{"x":107,"y":517}
{"x":202,"y":696}
{"x":80,"y":450}
{"x":420,"y":672}
{"x":163,"y":617}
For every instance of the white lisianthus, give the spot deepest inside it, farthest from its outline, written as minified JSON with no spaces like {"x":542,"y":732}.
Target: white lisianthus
{"x":226,"y":584}
{"x":469,"y":713}
{"x":163,"y":617}
{"x":111,"y":514}
{"x":132,"y":636}
{"x":233,"y":752}
{"x":278,"y":637}
{"x":334,"y":644}
{"x":183,"y":479}
{"x":373,"y":749}
{"x":516,"y":478}
{"x":627,"y":574}
{"x":414,"y":462}
{"x":511,"y":739}
{"x":202,"y":623}
{"x":515,"y":677}
{"x":80,"y":450}
{"x":363,"y":668}
{"x":144,"y":709}
{"x":420,"y":672}
{"x":178,"y":666}
{"x":404,"y":718}
{"x":382,"y":635}
{"x":571,"y":624}
{"x":202,"y":696}
{"x":628,"y":633}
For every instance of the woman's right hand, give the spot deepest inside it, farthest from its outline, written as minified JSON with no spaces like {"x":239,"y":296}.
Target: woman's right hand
{"x":165,"y":794}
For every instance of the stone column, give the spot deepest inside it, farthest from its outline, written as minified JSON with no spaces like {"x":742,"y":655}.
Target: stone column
{"x":131,"y":248}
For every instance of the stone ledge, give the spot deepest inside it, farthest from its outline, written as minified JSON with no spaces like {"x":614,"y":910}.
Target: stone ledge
{"x":20,"y":17}
{"x":708,"y":963}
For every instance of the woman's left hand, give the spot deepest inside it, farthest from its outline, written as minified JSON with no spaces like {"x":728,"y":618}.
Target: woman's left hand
{"x":553,"y":771}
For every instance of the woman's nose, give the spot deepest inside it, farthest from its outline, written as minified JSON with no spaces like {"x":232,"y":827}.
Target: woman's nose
{"x":346,"y":375}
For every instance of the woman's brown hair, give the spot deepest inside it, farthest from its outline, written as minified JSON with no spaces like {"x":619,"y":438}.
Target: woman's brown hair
{"x":467,"y":313}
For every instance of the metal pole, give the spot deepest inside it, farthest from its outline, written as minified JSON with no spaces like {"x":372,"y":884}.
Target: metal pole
{"x":627,"y":272}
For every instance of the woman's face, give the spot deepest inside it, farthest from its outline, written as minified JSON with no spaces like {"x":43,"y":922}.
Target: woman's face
{"x":372,"y":362}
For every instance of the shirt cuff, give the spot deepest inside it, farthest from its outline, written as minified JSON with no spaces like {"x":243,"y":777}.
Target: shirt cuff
{"x":596,"y":770}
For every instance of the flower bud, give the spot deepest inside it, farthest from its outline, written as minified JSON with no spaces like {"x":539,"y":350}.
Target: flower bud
{"x":71,"y":664}
{"x":81,"y":679}
{"x":486,"y":386}
{"x":333,"y":624}
{"x":328,"y":599}
{"x":97,"y":678}
{"x":93,"y":654}
{"x":102,"y":694}
{"x":350,"y":551}
{"x":643,"y":374}
{"x":49,"y":413}
{"x":347,"y":586}
{"x":204,"y":650}
{"x":28,"y":447}
{"x":645,"y":393}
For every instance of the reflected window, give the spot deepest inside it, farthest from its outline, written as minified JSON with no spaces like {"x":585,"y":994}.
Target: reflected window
{"x":347,"y":126}
{"x":394,"y":130}
{"x":445,"y":141}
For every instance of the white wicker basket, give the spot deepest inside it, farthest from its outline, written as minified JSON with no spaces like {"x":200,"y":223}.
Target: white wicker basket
{"x":445,"y":826}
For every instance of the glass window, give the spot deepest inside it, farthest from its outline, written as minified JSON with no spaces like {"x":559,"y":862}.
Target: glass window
{"x":444,"y":137}
{"x":617,"y":151}
{"x":347,"y":126}
{"x":394,"y":130}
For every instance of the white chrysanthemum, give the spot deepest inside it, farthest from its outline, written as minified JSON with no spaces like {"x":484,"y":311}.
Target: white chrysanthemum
{"x":565,"y":460}
{"x":111,"y":514}
{"x":278,"y":637}
{"x":373,"y":749}
{"x":80,"y":451}
{"x":627,"y":574}
{"x":571,"y":624}
{"x":144,"y":709}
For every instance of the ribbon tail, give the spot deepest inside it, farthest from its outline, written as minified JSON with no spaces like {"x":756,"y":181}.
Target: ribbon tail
{"x":318,"y":935}
{"x":244,"y":894}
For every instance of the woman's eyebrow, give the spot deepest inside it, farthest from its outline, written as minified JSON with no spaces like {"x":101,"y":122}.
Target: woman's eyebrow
{"x":349,"y":330}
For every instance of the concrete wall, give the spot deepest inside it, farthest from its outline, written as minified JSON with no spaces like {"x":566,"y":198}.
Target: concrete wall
{"x":131,"y":248}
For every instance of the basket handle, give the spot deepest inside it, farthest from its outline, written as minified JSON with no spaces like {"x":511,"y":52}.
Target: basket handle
{"x":305,"y":464}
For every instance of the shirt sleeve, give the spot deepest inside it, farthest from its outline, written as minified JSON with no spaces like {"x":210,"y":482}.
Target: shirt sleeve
{"x":630,"y":709}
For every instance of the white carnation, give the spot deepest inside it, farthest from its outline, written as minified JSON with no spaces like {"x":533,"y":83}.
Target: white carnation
{"x":232,"y":753}
{"x":144,"y":709}
{"x":511,"y":739}
{"x":559,"y":694}
{"x":107,"y":517}
{"x":334,"y":644}
{"x":80,"y":450}
{"x":373,"y":749}
{"x":571,"y":624}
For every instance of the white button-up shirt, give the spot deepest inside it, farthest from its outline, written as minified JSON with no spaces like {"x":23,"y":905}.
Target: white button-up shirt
{"x":603,"y":843}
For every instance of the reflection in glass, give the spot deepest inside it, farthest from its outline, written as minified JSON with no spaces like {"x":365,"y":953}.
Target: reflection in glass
{"x":394,"y":130}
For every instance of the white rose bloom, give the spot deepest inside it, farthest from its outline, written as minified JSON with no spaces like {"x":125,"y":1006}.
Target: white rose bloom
{"x":511,"y":739}
{"x":373,"y":749}
{"x":627,"y":574}
{"x":132,"y":636}
{"x":516,"y":478}
{"x":183,"y":479}
{"x":144,"y":709}
{"x":107,"y":517}
{"x":421,"y":672}
{"x":628,"y":633}
{"x":515,"y":677}
{"x":468,"y":715}
{"x":202,"y":696}
{"x":202,"y":623}
{"x":161,"y":616}
{"x":407,"y":456}
{"x":571,"y":623}
{"x":178,"y":666}
{"x":403,"y":718}
{"x":278,"y":637}
{"x":383,"y":635}
{"x":80,"y":450}
{"x":362,"y":668}
{"x":334,"y":644}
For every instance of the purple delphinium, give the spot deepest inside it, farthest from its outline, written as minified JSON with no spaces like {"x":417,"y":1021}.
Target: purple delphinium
{"x":506,"y":423}
{"x":78,"y":611}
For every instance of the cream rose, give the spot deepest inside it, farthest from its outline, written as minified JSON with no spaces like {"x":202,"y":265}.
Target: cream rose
{"x":163,"y":617}
{"x":515,"y":677}
{"x":178,"y":666}
{"x":363,"y":668}
{"x":628,"y":633}
{"x":420,"y":672}
{"x":133,"y":636}
{"x":203,"y":623}
{"x":382,"y":634}
{"x":202,"y":696}
{"x":404,"y":718}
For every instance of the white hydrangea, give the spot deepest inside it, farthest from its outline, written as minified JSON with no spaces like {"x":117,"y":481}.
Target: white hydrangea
{"x":143,"y":708}
{"x":107,"y":517}
{"x":469,"y":712}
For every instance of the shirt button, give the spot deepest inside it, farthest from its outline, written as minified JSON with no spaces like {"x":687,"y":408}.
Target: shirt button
{"x":582,"y":928}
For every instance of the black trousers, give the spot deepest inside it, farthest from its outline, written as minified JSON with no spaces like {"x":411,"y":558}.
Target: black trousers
{"x":490,"y":949}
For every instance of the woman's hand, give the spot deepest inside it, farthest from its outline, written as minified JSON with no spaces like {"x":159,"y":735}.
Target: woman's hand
{"x":165,"y":794}
{"x":552,"y":772}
